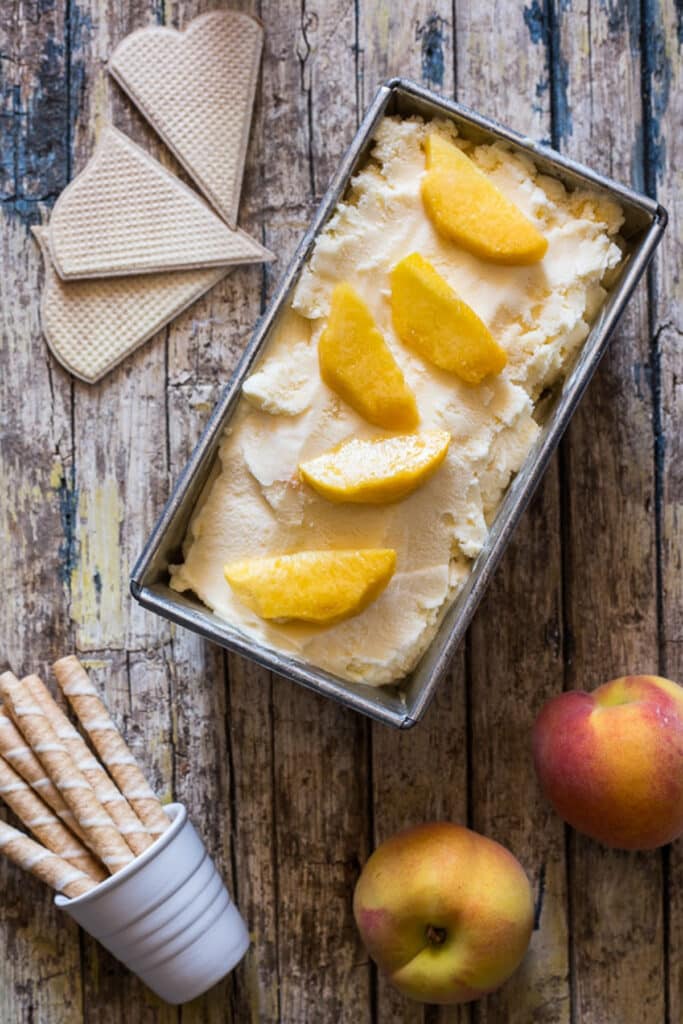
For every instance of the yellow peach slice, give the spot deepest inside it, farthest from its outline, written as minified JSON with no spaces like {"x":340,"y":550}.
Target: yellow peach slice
{"x":465,"y":206}
{"x":379,"y":471}
{"x":322,"y":587}
{"x":356,"y":362}
{"x":430,"y":318}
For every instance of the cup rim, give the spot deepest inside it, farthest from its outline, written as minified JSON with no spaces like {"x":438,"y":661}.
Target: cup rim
{"x":178,"y":816}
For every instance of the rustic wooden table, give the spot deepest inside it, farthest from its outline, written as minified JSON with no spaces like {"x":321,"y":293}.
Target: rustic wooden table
{"x":291,"y":791}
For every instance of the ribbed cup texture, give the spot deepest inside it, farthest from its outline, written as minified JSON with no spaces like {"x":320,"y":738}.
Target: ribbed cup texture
{"x":168,"y":916}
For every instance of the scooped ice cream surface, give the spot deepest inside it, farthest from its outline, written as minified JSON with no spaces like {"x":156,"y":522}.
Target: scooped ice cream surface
{"x":256,"y":504}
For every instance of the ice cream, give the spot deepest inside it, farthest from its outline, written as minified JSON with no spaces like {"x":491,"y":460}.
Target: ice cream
{"x":256,"y":503}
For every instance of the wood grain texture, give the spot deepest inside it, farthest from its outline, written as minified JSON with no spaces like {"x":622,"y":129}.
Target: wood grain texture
{"x":291,"y":792}
{"x":318,"y":748}
{"x":513,"y":672}
{"x":663,"y":160}
{"x":421,"y":775}
{"x":202,"y":348}
{"x":120,"y":478}
{"x":40,"y":973}
{"x":610,"y":580}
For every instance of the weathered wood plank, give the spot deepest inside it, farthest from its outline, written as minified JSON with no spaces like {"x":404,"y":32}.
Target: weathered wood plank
{"x":416,"y":42}
{"x":516,"y":661}
{"x":318,"y":749}
{"x":516,"y":92}
{"x":664,"y":156}
{"x":422,"y":775}
{"x":40,"y":969}
{"x":203,"y":348}
{"x":609,"y":531}
{"x":202,"y":755}
{"x":120,"y":479}
{"x":257,"y":890}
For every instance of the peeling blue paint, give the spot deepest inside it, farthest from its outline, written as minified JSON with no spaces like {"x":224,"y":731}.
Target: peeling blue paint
{"x":642,"y":380}
{"x":431,"y":35}
{"x":32,"y":137}
{"x":637,"y":176}
{"x":79,"y":30}
{"x":35,"y":130}
{"x":538,"y":903}
{"x":541,"y":21}
{"x":534,"y":19}
{"x":562,"y":113}
{"x":622,"y":14}
{"x":67,"y":494}
{"x":679,"y":21}
{"x":657,"y":80}
{"x":542,"y":87}
{"x":660,"y":451}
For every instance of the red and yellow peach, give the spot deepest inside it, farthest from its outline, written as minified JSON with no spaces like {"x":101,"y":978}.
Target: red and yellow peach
{"x":611,"y":762}
{"x":445,"y":912}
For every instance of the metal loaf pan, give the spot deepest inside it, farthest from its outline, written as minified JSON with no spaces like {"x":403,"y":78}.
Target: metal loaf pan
{"x":403,"y":704}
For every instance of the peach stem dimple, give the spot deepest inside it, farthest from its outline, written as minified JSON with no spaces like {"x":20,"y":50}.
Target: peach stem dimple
{"x":436,"y":936}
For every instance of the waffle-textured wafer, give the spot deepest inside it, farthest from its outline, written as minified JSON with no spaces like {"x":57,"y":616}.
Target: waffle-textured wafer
{"x":91,"y":326}
{"x":47,"y":866}
{"x":109,"y":743}
{"x":196,"y":88}
{"x":126,"y":214}
{"x":99,"y":830}
{"x":44,"y":823}
{"x":122,"y":814}
{"x":17,"y":752}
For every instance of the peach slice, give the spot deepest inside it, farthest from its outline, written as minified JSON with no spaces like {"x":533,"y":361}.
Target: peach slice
{"x":379,"y":471}
{"x":322,"y":587}
{"x":430,"y":318}
{"x":466,"y":207}
{"x":356,"y":362}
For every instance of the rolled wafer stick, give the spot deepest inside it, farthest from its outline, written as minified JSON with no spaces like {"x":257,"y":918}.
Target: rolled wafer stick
{"x":122,"y":814}
{"x":99,"y":830}
{"x":44,"y":823}
{"x":46,"y":866}
{"x":16,"y":751}
{"x":109,"y":743}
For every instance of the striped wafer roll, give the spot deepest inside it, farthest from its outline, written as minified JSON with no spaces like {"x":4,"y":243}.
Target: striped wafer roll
{"x":46,"y":866}
{"x":109,"y":743}
{"x":16,"y":751}
{"x":122,"y":814}
{"x":99,"y":830}
{"x":44,"y":823}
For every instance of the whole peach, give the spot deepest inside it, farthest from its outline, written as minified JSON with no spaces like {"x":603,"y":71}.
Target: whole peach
{"x":445,"y":912}
{"x":611,"y":762}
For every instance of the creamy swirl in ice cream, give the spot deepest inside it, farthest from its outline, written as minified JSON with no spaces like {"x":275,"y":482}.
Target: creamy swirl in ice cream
{"x":256,"y":504}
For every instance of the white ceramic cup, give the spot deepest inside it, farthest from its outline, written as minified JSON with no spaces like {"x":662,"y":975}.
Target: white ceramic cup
{"x":167,"y":915}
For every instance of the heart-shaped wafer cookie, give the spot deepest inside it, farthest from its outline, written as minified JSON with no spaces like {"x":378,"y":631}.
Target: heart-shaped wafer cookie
{"x":90,"y":326}
{"x":126,"y":214}
{"x":196,"y":88}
